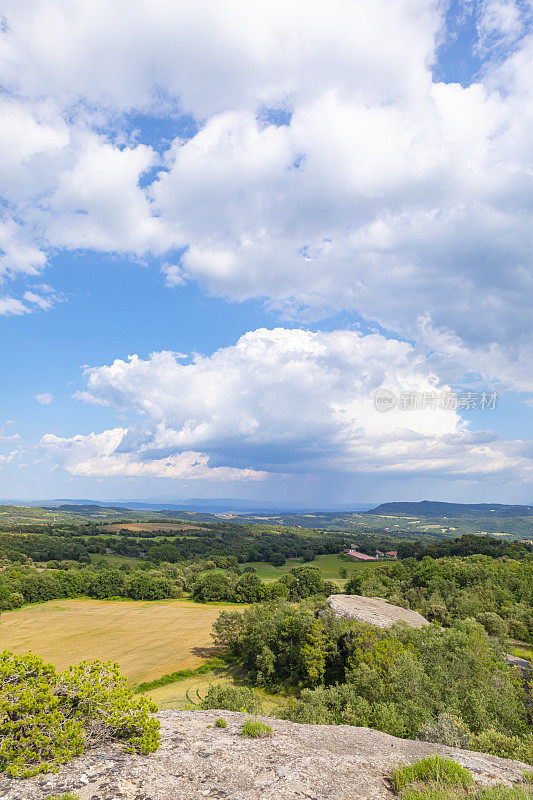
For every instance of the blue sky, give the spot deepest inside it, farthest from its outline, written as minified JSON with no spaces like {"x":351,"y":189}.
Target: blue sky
{"x":221,"y":237}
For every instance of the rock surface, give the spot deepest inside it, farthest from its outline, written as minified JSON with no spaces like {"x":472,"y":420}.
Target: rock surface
{"x":198,"y":761}
{"x":374,"y":611}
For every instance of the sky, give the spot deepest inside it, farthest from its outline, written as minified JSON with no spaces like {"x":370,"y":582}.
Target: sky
{"x":276,"y":251}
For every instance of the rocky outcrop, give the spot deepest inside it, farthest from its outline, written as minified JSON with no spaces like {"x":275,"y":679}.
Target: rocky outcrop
{"x":197,"y":760}
{"x":374,"y":611}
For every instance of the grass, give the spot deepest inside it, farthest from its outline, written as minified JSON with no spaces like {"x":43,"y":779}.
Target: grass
{"x":189,"y":692}
{"x":523,"y":651}
{"x":148,"y":639}
{"x":66,"y":796}
{"x":117,"y":561}
{"x":329,"y":566}
{"x":180,"y":675}
{"x":255,"y":729}
{"x":439,"y":792}
{"x":221,"y":723}
{"x":434,"y":769}
{"x":437,"y":778}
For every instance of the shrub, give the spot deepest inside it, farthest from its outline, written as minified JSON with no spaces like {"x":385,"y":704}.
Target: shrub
{"x":518,"y":629}
{"x":500,"y":744}
{"x":65,"y":796}
{"x":109,"y":709}
{"x":255,"y":729}
{"x":47,"y":718}
{"x":434,"y":769}
{"x":446,"y":729}
{"x":493,"y":623}
{"x":232,"y":698}
{"x":221,"y":723}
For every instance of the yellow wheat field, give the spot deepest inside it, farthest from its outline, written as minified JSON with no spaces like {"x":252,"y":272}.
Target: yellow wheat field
{"x":148,"y":639}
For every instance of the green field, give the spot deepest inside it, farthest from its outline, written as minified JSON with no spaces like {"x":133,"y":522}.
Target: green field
{"x":523,"y":650}
{"x":116,"y":560}
{"x":329,"y":566}
{"x":190,"y":692}
{"x":148,"y":639}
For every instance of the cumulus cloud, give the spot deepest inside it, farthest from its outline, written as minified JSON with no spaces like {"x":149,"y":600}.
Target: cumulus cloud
{"x":399,"y":214}
{"x":383,"y":192}
{"x":280,"y":402}
{"x":98,"y":455}
{"x":207,"y":56}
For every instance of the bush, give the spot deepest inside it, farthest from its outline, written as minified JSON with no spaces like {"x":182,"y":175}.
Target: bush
{"x":434,"y":769}
{"x":221,"y":723}
{"x":500,"y":744}
{"x":255,"y":729}
{"x":66,"y":796}
{"x":446,"y":729}
{"x":518,"y":629}
{"x":232,"y":698}
{"x":47,"y":718}
{"x":493,"y":623}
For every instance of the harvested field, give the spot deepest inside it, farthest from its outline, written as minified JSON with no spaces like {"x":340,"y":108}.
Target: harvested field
{"x":148,"y":639}
{"x":173,"y":527}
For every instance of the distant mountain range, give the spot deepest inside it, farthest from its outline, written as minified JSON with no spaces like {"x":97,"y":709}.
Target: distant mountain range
{"x":213,"y":506}
{"x":430,"y":508}
{"x":210,"y":506}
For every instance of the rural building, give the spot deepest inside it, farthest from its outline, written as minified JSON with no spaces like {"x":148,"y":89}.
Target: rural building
{"x":364,"y":557}
{"x":360,"y":556}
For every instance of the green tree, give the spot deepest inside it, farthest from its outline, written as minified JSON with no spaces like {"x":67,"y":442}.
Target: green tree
{"x":212,"y":587}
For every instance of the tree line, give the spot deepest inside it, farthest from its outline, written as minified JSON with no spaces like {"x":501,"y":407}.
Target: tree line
{"x":204,"y":581}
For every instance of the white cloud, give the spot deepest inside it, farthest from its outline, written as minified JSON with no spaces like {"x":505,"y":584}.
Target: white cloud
{"x":501,"y":22}
{"x":7,"y":458}
{"x":44,"y":398}
{"x":67,"y":186}
{"x":406,"y":201}
{"x":208,"y":56}
{"x":393,"y":212}
{"x":30,"y":300}
{"x":284,"y":401}
{"x":97,"y":455}
{"x":11,"y":305}
{"x":5,"y":436}
{"x":173,"y":274}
